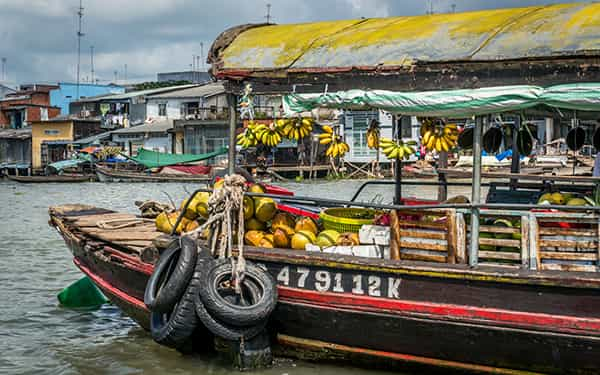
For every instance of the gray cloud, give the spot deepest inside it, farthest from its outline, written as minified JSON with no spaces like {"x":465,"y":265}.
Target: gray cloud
{"x":38,"y":36}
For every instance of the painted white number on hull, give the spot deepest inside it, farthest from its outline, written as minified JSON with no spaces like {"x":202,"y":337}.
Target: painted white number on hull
{"x":324,"y":281}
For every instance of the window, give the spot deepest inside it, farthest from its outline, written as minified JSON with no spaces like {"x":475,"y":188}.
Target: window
{"x":51,"y":132}
{"x":162,"y":109}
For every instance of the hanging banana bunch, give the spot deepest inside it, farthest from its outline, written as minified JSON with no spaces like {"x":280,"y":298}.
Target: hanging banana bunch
{"x":373,"y":135}
{"x":337,"y":147}
{"x":397,"y":149}
{"x":438,"y":136}
{"x":248,"y":138}
{"x":269,"y":135}
{"x":296,"y":128}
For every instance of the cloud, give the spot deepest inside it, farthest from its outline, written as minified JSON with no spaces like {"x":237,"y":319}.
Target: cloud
{"x":38,"y":37}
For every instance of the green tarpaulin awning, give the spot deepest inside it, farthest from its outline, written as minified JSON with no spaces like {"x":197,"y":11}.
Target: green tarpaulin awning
{"x":453,"y":103}
{"x":153,"y":159}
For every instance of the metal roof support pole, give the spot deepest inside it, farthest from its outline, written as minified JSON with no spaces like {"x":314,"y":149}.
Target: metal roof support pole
{"x":476,"y":192}
{"x":515,"y":165}
{"x":397,"y":163}
{"x":232,"y":104}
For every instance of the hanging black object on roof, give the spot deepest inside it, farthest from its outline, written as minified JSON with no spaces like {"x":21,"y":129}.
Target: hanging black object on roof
{"x":492,"y":139}
{"x":596,"y":139}
{"x":524,"y":141}
{"x":465,"y":138}
{"x":575,"y":138}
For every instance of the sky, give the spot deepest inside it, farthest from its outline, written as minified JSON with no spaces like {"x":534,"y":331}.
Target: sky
{"x":38,"y":37}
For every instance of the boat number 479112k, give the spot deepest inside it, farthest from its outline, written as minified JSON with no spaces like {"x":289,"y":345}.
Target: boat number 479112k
{"x":338,"y":282}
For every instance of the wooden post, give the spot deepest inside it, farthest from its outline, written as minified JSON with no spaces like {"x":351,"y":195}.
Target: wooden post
{"x":452,"y":236}
{"x":533,"y":243}
{"x":232,"y":103}
{"x":515,"y":165}
{"x":525,"y":241}
{"x":395,"y":250}
{"x":475,"y":192}
{"x":461,"y":239}
{"x":443,"y":187}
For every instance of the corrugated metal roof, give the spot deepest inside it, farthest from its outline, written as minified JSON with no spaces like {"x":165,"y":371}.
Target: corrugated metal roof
{"x":23,"y":133}
{"x":133,"y":94}
{"x":501,"y":34}
{"x":158,"y":126}
{"x":203,"y":91}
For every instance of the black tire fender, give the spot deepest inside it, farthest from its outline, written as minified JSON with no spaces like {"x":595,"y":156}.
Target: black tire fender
{"x":225,"y":331}
{"x":169,"y":280}
{"x":234,"y":314}
{"x":173,"y":329}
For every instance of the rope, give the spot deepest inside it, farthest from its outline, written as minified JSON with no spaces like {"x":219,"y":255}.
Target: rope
{"x":223,"y":206}
{"x":104,"y":224}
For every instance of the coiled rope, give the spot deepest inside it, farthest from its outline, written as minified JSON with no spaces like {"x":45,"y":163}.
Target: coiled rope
{"x":226,"y":210}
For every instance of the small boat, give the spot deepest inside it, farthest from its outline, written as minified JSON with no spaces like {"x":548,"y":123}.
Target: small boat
{"x":52,"y":178}
{"x":109,"y":175}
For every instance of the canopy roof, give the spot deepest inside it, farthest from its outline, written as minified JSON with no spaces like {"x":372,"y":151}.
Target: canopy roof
{"x":454,"y":103}
{"x":153,"y":159}
{"x":500,"y":34}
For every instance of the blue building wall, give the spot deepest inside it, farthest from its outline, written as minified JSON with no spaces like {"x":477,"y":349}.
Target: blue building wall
{"x":67,"y":92}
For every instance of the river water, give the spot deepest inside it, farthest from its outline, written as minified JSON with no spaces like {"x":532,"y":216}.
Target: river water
{"x":37,"y":336}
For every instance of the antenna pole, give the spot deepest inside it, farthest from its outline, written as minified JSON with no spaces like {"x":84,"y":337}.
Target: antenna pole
{"x":92,"y":62}
{"x":125,"y":74}
{"x":202,"y":54}
{"x":268,"y":16}
{"x":4,"y":69}
{"x":79,"y":35}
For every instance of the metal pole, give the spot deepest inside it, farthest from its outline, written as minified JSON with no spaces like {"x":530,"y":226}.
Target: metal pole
{"x":232,"y":103}
{"x":476,"y":192}
{"x":443,"y":187}
{"x":515,"y":165}
{"x":397,"y":164}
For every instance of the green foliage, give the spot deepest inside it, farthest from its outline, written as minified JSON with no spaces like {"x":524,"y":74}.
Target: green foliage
{"x":157,"y":85}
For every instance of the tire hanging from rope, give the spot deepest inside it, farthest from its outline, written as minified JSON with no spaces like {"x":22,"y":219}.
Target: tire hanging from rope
{"x":231,"y":297}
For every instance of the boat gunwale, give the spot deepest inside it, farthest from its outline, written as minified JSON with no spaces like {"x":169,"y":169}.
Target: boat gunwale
{"x":583,"y":280}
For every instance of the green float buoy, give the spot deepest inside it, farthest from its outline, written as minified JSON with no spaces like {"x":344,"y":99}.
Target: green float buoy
{"x":82,"y":294}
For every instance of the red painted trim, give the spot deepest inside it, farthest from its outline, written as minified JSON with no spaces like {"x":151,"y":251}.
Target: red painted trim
{"x":105,"y":285}
{"x":545,"y":322}
{"x":130,"y":261}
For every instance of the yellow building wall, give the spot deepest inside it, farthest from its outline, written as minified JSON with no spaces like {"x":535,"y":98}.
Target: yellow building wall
{"x":48,"y":131}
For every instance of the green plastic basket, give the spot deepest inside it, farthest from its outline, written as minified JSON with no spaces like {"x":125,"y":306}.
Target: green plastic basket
{"x":347,"y":219}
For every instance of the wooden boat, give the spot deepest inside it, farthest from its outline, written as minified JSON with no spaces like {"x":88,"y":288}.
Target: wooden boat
{"x":449,"y":294}
{"x":52,"y":178}
{"x":108,"y":175}
{"x":425,"y":306}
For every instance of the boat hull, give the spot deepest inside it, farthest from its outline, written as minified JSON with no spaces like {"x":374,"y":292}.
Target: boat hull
{"x":115,"y":176}
{"x":339,"y":309}
{"x":51,"y":179}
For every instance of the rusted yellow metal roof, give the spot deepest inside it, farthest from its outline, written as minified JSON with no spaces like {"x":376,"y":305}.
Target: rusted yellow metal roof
{"x":502,"y":34}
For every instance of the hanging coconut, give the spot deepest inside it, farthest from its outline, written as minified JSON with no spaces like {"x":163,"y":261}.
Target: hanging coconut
{"x":465,"y":138}
{"x":596,"y":140}
{"x":575,"y":138}
{"x":492,"y":139}
{"x":524,"y":142}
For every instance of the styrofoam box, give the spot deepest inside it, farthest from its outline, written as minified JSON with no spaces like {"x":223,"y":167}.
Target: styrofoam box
{"x":374,"y":234}
{"x":368,"y":251}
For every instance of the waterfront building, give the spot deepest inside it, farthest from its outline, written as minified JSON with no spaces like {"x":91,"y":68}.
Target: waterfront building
{"x":29,"y":103}
{"x":51,"y":140}
{"x":66,"y":92}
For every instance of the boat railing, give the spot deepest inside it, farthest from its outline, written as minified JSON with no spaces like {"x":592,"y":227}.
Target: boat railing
{"x":521,"y":236}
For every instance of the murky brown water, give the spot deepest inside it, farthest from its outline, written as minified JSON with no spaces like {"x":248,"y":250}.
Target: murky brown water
{"x":37,"y":336}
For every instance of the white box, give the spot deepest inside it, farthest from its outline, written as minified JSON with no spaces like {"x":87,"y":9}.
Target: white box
{"x":374,"y":234}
